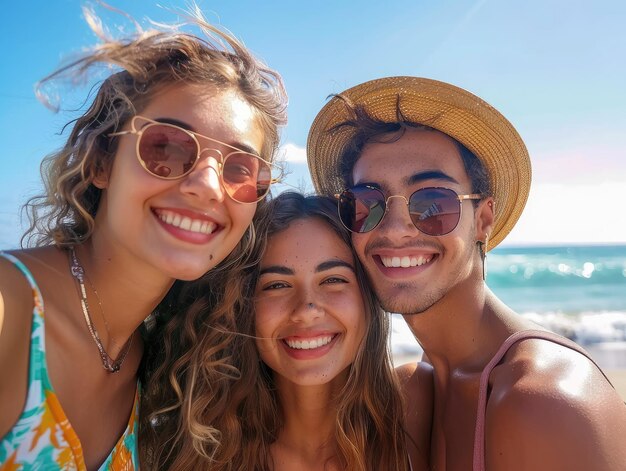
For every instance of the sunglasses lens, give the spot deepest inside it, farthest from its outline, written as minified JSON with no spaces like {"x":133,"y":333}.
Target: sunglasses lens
{"x":246,"y":177}
{"x":166,"y":151}
{"x":170,"y":152}
{"x":361,"y":208}
{"x":435,"y":211}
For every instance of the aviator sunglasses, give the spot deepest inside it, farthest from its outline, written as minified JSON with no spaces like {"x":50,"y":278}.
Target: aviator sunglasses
{"x":169,"y":152}
{"x":434,"y":211}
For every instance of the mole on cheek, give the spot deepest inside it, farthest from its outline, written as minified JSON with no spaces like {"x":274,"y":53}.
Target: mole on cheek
{"x":211,"y":257}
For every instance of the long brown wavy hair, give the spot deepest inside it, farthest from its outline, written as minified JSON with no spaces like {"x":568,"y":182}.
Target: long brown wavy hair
{"x":211,"y":402}
{"x":146,"y":62}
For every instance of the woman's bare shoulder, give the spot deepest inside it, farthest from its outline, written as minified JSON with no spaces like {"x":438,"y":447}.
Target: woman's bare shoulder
{"x":414,"y":373}
{"x":45,"y":265}
{"x":15,"y":292}
{"x":416,"y":384}
{"x":417,"y":387}
{"x":16,"y":308}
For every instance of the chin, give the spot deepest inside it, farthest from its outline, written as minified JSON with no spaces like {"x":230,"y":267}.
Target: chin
{"x":311,"y":381}
{"x":403,"y":303}
{"x":186,"y":272}
{"x":187,"y":277}
{"x":187,"y":266}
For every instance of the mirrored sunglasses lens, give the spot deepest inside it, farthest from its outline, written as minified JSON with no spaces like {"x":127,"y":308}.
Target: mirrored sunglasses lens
{"x":435,"y":211}
{"x":246,"y":178}
{"x":361,"y":209}
{"x":166,"y":151}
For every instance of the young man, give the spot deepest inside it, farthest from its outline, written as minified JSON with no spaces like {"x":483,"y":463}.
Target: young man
{"x":429,"y":177}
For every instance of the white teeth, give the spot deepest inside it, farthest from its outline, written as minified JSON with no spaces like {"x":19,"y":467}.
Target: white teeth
{"x":404,"y":262}
{"x":186,"y":223}
{"x":309,"y":344}
{"x":196,"y":225}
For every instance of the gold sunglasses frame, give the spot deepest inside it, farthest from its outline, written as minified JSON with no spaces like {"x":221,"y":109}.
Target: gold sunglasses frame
{"x":460,"y":198}
{"x":138,"y":131}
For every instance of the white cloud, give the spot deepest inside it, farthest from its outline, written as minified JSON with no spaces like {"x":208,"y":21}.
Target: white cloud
{"x":292,"y":153}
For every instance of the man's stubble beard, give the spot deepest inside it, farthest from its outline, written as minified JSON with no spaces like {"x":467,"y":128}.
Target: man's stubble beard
{"x":410,"y":303}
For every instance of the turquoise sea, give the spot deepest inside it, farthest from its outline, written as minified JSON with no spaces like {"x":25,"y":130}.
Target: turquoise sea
{"x":569,"y":280}
{"x":577,"y":291}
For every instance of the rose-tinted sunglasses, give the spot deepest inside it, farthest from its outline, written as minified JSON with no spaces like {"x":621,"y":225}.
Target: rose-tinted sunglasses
{"x":434,"y":211}
{"x":169,"y":152}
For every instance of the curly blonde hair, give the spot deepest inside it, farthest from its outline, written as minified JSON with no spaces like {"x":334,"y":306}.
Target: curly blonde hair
{"x":149,"y":61}
{"x":210,"y":401}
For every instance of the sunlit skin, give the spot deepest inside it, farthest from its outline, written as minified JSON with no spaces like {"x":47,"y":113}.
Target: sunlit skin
{"x":308,"y":263}
{"x":132,"y":259}
{"x":127,"y":219}
{"x":416,"y":161}
{"x":549,"y":407}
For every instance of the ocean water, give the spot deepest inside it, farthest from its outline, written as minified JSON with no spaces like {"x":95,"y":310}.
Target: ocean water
{"x":569,"y":280}
{"x":578,"y":291}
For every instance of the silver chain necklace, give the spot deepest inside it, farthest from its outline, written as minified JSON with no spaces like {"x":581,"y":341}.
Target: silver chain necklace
{"x":108,"y":363}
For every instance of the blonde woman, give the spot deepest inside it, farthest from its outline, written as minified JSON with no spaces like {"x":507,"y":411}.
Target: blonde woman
{"x":157,"y":182}
{"x":307,"y":382}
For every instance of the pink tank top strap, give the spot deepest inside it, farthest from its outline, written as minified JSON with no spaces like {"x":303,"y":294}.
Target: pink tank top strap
{"x":479,"y":433}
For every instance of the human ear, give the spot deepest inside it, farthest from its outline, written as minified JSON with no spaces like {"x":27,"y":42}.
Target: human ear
{"x":102,"y":173}
{"x":485,"y":216}
{"x":101,"y":180}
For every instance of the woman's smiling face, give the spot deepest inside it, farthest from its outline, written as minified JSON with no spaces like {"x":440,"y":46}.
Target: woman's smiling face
{"x":183,"y":227}
{"x":310,"y":315}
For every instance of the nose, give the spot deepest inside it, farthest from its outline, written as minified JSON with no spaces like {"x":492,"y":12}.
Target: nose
{"x":307,"y":310}
{"x":397,"y":220}
{"x":203,"y":182}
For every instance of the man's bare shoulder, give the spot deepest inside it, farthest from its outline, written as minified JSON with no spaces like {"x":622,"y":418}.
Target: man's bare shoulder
{"x":551,"y":408}
{"x":534,"y":366}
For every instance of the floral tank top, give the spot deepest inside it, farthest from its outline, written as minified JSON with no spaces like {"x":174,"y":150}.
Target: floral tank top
{"x":42,"y":438}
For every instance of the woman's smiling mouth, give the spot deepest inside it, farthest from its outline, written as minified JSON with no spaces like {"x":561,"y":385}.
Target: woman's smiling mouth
{"x":185,"y":223}
{"x":308,"y":344}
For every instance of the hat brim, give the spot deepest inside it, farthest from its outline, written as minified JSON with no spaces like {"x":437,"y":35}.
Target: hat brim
{"x":444,"y":107}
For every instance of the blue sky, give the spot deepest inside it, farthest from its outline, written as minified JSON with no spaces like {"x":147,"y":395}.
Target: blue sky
{"x":555,"y":69}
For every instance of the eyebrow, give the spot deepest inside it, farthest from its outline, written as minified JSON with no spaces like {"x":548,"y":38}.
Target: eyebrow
{"x":333,"y":264}
{"x":176,"y":122}
{"x":276,"y":269}
{"x":181,"y":124}
{"x":416,"y":178}
{"x":328,"y":265}
{"x":430,"y":175}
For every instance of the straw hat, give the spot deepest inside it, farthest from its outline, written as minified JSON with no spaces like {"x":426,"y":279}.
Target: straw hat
{"x":449,"y":109}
